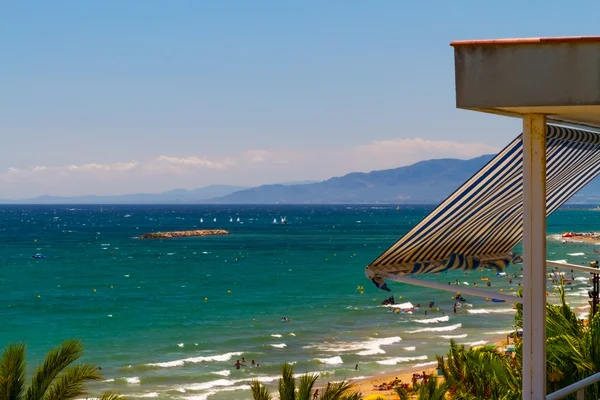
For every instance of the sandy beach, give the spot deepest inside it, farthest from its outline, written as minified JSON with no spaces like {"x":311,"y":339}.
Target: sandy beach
{"x":367,"y":386}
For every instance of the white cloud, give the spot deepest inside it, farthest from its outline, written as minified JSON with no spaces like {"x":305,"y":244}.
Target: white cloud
{"x":252,"y":167}
{"x":198,"y":161}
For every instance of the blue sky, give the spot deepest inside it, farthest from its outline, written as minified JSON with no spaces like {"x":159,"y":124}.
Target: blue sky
{"x":109,"y":97}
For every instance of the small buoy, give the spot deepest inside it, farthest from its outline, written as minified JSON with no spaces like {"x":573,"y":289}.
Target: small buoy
{"x":35,"y":240}
{"x":94,"y":290}
{"x":39,"y":297}
{"x":229,"y":292}
{"x":451,"y":298}
{"x":361,"y":292}
{"x":400,"y":297}
{"x":206,"y":299}
{"x":334,"y":254}
{"x":487,"y":299}
{"x":111,"y":286}
{"x":502,"y":290}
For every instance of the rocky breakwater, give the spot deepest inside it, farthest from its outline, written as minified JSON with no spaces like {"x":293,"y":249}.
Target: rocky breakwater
{"x":178,"y":234}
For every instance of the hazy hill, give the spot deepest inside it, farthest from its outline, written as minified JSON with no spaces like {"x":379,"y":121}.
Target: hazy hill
{"x":424,"y":182}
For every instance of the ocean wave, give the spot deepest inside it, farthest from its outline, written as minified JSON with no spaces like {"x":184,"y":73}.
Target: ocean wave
{"x":576,"y":254}
{"x":368,"y":347}
{"x":438,"y":329}
{"x":404,"y":306}
{"x":410,"y":348}
{"x":277,"y":335}
{"x":292,"y":334}
{"x":133,"y":380}
{"x":398,"y":360}
{"x":498,"y":333}
{"x":426,"y":364}
{"x":330,"y":360}
{"x":205,"y":396}
{"x":559,"y":261}
{"x":477,"y":343}
{"x":464,"y":335}
{"x":582,"y":279}
{"x":152,"y":394}
{"x":433,"y":320}
{"x":492,"y":311}
{"x":224,"y":372}
{"x":197,"y":387}
{"x":195,"y":360}
{"x":279,"y":345}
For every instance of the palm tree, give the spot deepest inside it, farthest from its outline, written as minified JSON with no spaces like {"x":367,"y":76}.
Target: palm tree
{"x":55,"y":379}
{"x":288,"y":391}
{"x":432,"y":390}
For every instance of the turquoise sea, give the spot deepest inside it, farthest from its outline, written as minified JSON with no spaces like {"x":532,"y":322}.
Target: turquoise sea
{"x":157,"y":317}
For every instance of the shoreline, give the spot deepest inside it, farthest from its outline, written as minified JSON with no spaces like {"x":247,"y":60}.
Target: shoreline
{"x":366,"y":385}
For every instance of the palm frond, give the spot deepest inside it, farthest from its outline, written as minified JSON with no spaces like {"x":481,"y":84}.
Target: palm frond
{"x":305,"y":387}
{"x":55,"y":362}
{"x":12,"y":372}
{"x":336,"y":390}
{"x":71,"y":383}
{"x":110,"y":396}
{"x":259,"y":391}
{"x":287,"y":383}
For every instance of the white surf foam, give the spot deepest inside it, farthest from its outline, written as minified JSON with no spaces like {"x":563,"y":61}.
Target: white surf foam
{"x":582,"y":279}
{"x":410,"y":348}
{"x":498,"y":333}
{"x":576,"y":254}
{"x":426,"y":364}
{"x":433,"y":320}
{"x":404,"y":306}
{"x":560,"y":261}
{"x":492,"y":311}
{"x":196,"y":387}
{"x":180,"y":344}
{"x":367,"y":348}
{"x":439,"y":329}
{"x":330,"y":360}
{"x":477,"y":343}
{"x":133,"y":380}
{"x":195,"y":360}
{"x":224,"y":372}
{"x":279,"y":345}
{"x":292,"y":334}
{"x":398,"y":360}
{"x":464,"y":335}
{"x":276,"y":335}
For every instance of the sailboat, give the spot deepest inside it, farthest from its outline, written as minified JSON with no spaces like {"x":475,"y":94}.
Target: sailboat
{"x":283,"y":220}
{"x":201,"y":220}
{"x":214,"y":219}
{"x":230,"y":219}
{"x":238,"y":219}
{"x":274,"y":220}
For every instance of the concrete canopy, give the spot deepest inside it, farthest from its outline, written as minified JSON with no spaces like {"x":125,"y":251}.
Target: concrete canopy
{"x":558,"y":77}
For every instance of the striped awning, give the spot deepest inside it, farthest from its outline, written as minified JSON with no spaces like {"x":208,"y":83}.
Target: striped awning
{"x":480,"y":224}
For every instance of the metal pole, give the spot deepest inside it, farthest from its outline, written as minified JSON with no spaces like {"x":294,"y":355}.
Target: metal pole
{"x":534,"y":257}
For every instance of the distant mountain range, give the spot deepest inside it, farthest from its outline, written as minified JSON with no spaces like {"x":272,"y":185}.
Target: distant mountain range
{"x":426,"y":182}
{"x":176,"y":196}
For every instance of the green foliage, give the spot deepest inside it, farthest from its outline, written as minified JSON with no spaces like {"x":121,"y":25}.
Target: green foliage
{"x":573,"y":353}
{"x":56,"y":379}
{"x":305,"y":390}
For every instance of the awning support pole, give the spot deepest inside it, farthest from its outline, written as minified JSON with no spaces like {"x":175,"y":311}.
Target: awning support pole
{"x":534,"y":257}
